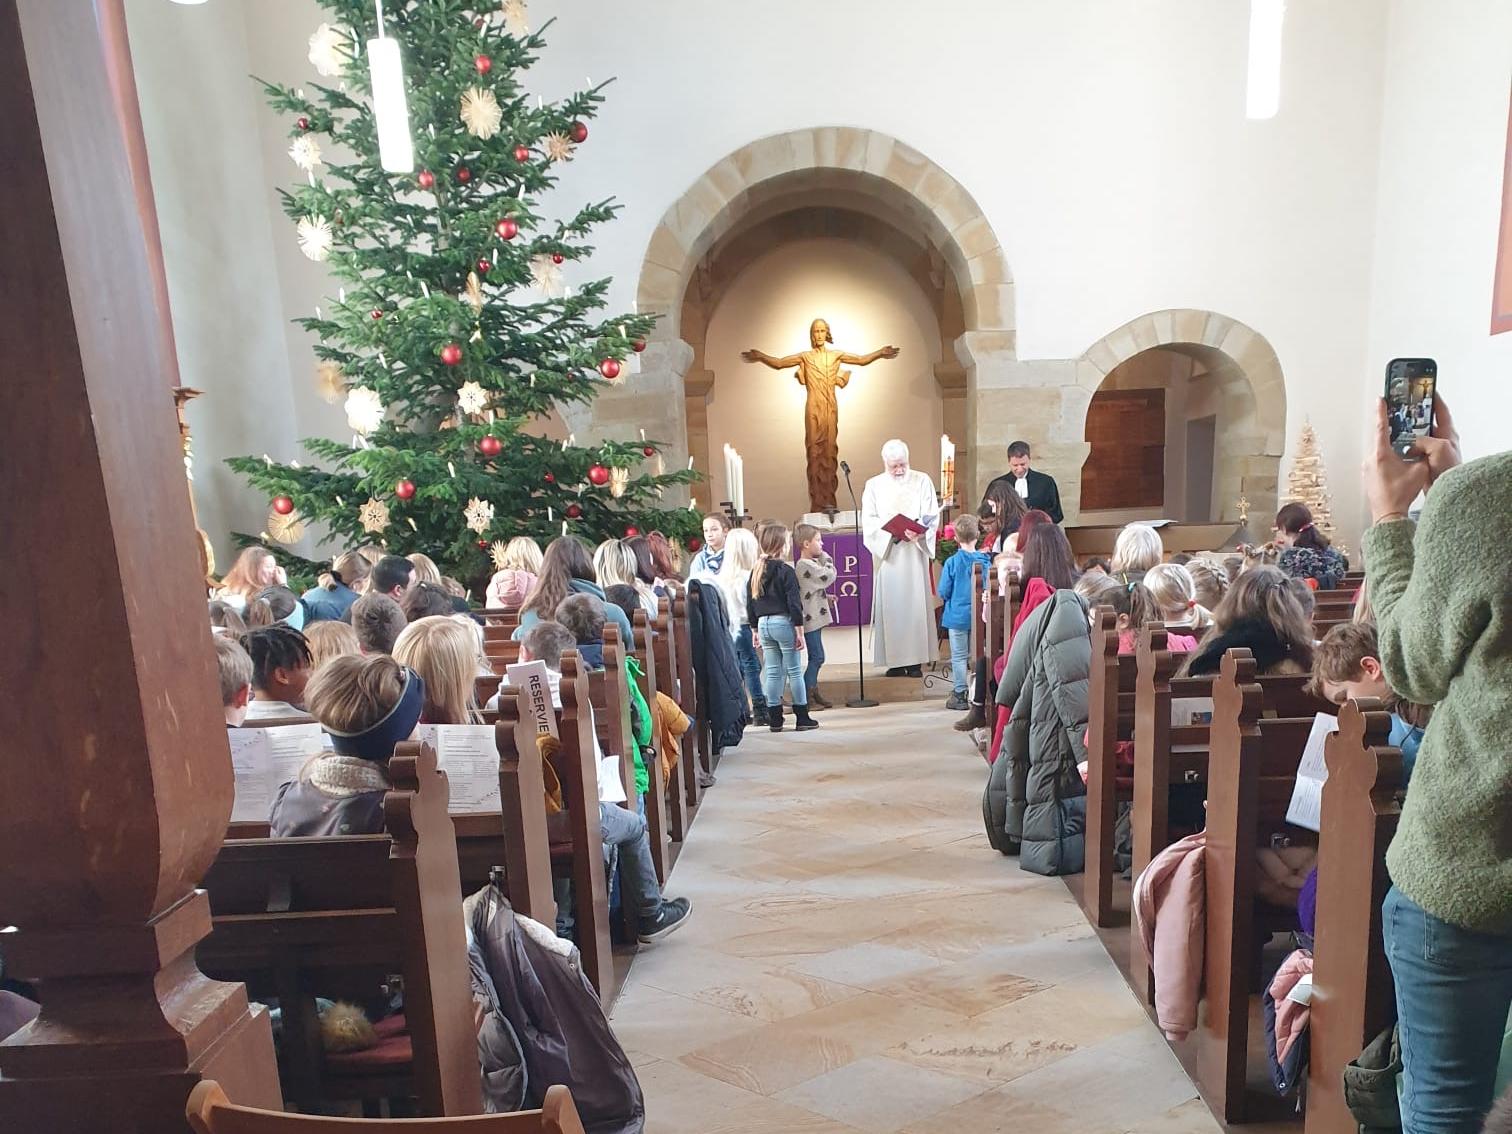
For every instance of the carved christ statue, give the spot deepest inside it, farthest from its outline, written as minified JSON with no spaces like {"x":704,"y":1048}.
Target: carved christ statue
{"x":819,"y":372}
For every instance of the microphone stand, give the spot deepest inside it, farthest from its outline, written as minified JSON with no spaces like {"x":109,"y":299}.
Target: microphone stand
{"x":861,"y":701}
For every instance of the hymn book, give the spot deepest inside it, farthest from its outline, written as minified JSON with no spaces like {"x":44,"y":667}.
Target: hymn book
{"x":901,"y":526}
{"x":263,"y":760}
{"x":469,"y":755}
{"x":1306,"y":807}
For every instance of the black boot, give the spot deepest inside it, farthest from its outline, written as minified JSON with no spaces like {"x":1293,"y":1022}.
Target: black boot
{"x":758,"y":710}
{"x":774,"y":717}
{"x":805,"y":722}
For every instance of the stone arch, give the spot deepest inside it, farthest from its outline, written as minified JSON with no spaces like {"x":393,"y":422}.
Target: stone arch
{"x":1248,"y":462}
{"x":870,"y":170}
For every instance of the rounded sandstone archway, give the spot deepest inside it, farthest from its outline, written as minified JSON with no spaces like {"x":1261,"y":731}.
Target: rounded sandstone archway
{"x":1239,"y":375}
{"x":865,"y":170}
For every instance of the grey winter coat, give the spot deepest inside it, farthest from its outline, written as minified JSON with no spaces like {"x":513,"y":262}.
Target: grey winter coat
{"x":1035,"y":800}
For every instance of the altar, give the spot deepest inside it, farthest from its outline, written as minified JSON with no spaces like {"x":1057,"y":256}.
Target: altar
{"x":851,"y":592}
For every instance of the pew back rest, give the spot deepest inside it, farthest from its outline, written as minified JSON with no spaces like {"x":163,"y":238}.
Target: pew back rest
{"x":210,"y":1112}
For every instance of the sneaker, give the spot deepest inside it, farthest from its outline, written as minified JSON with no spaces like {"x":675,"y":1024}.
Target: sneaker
{"x":958,"y":702}
{"x":674,"y":913}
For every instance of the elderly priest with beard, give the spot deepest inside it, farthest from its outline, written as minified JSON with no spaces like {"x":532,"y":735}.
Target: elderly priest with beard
{"x":899,"y":514}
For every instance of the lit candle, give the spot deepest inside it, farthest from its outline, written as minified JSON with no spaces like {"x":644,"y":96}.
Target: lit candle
{"x":947,"y":468}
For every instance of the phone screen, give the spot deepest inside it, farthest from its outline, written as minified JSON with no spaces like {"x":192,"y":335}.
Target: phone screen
{"x":1410,"y":383}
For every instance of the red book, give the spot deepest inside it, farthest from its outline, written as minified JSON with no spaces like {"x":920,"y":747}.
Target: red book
{"x":900,"y":525}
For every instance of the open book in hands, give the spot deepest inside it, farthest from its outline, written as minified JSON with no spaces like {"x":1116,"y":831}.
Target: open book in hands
{"x":901,"y":526}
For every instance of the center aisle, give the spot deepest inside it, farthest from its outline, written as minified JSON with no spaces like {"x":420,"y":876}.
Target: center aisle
{"x":860,"y":959}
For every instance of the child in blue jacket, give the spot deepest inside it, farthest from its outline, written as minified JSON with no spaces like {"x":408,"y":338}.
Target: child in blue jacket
{"x":955,"y":590}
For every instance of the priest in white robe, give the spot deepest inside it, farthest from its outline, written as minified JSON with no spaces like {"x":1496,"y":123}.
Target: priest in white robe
{"x":903,"y":629}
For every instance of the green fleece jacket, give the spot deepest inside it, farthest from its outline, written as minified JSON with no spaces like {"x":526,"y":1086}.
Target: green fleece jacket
{"x":1443,"y":604}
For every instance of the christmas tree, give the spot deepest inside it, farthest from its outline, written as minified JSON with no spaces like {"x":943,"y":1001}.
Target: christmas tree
{"x":1308,"y":480}
{"x":453,"y":335}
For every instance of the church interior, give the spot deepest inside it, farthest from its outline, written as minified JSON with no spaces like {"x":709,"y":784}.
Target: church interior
{"x":644,"y":479}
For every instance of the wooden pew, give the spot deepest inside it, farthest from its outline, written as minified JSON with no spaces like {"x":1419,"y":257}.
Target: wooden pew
{"x":690,"y":702}
{"x":1110,"y":719}
{"x":1158,"y":767}
{"x":656,"y":792}
{"x":582,"y":855}
{"x":1353,"y":996}
{"x":1250,"y":779}
{"x":335,"y":916}
{"x":680,"y":811}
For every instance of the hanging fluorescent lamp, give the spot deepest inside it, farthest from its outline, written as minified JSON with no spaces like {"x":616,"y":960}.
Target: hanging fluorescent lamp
{"x":1263,"y":91}
{"x":396,"y":150}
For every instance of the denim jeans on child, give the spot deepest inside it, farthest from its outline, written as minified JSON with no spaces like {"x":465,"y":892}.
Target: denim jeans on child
{"x":781,"y":658}
{"x":813,"y":643}
{"x":750,"y":664}
{"x":625,"y":831}
{"x":960,"y":669}
{"x":1453,"y":990}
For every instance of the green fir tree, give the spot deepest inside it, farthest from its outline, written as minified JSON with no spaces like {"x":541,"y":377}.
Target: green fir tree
{"x":452,"y":335}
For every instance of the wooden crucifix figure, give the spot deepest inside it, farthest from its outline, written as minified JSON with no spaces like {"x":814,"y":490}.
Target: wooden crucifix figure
{"x":818,"y":371}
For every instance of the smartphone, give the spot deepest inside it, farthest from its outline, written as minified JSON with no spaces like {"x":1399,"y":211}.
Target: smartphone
{"x":1410,"y":386}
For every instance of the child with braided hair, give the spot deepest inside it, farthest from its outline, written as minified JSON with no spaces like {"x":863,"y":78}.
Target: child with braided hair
{"x":281,"y":666}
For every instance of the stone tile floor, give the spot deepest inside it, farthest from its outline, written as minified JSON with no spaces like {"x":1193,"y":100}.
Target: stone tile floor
{"x":860,"y":959}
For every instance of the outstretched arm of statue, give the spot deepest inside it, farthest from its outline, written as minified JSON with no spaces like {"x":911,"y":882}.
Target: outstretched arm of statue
{"x":868,"y":359}
{"x":761,"y":356}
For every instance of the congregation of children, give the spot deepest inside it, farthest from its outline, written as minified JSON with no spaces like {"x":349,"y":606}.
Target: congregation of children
{"x":384,"y":647}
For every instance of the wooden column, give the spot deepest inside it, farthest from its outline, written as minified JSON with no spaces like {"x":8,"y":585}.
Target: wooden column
{"x":116,"y":771}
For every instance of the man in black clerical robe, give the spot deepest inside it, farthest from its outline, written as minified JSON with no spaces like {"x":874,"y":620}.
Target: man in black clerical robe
{"x":1037,"y":489}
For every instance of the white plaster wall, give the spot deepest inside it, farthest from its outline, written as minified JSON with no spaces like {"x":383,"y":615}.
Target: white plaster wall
{"x":1443,"y":142}
{"x":1105,"y":141}
{"x":869,"y":301}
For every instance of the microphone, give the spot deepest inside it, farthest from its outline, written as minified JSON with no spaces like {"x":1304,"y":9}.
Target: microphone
{"x":845,"y":467}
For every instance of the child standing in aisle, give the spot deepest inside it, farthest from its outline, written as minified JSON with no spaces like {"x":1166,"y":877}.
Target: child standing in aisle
{"x":955,"y":593}
{"x":775,"y":609}
{"x":816,"y":571}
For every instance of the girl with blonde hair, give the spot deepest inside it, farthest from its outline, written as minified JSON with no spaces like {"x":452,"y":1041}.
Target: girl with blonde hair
{"x":1175,"y":593}
{"x":615,"y":565}
{"x":426,"y":570}
{"x":1137,"y":550}
{"x":519,"y":567}
{"x":331,"y":640}
{"x":338,"y":589}
{"x":253,"y":572}
{"x":445,"y":654}
{"x":775,"y":606}
{"x":739,"y":557}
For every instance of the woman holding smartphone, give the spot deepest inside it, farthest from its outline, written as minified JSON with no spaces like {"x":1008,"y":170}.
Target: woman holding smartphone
{"x":1442,"y":592}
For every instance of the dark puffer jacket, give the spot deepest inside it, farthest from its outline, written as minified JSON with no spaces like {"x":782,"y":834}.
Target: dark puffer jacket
{"x":1035,"y":797}
{"x":721,"y":689}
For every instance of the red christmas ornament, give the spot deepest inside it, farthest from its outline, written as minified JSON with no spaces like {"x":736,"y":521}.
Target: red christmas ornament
{"x":482,"y":545}
{"x":550,"y":478}
{"x":483,"y":267}
{"x":599,"y":475}
{"x":490,"y":446}
{"x":574,"y":511}
{"x":483,"y":63}
{"x":426,"y":179}
{"x":609,"y":368}
{"x":694,"y":543}
{"x":464,"y":175}
{"x":405,"y":489}
{"x":578,"y":132}
{"x":303,"y":122}
{"x":377,"y":313}
{"x":283,"y":505}
{"x":631,"y":532}
{"x":451,"y":354}
{"x":557,"y":257}
{"x":638,"y":345}
{"x":507,"y":229}
{"x":648,"y":451}
{"x":522,"y":153}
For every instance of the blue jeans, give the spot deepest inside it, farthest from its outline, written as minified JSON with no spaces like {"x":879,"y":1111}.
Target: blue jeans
{"x":750,"y":664}
{"x":1453,"y":990}
{"x":781,"y":658}
{"x":625,"y":831}
{"x":813,"y":642}
{"x":960,"y":668}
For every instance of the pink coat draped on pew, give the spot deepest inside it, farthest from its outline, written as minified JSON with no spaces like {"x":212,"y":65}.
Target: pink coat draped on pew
{"x":1170,"y":911}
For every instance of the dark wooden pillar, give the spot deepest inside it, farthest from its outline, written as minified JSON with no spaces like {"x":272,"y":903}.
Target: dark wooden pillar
{"x":116,"y":775}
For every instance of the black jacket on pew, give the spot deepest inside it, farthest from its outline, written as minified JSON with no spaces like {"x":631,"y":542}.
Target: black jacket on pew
{"x":720,"y":688}
{"x":1251,"y":634}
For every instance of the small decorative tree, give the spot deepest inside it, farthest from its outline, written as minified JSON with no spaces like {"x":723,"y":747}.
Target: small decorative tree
{"x":1308,"y":480}
{"x":453,"y":335}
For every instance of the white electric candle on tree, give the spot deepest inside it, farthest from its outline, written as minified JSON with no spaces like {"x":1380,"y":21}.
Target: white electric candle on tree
{"x":396,"y":150}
